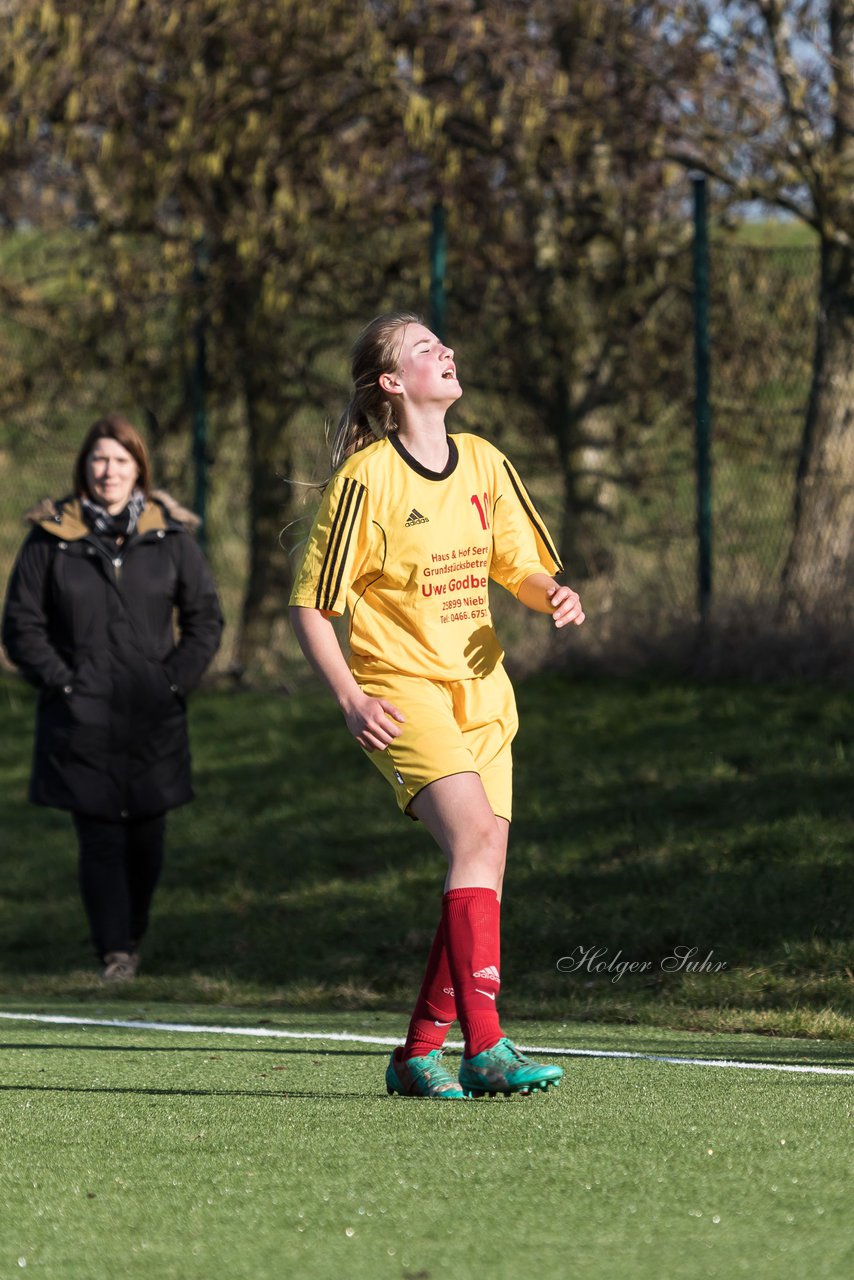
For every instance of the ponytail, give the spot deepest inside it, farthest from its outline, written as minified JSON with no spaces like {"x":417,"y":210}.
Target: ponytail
{"x":369,"y":415}
{"x":355,"y":430}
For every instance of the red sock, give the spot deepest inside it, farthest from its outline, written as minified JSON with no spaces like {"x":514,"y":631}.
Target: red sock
{"x":473,"y":940}
{"x":435,"y":1008}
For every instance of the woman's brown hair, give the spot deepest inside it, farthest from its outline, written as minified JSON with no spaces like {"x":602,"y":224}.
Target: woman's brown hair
{"x":114,"y":427}
{"x":369,"y":415}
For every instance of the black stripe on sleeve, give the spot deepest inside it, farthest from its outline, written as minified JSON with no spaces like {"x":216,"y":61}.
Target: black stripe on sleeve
{"x":527,"y":507}
{"x":341,"y":525}
{"x":342,"y":559}
{"x":338,"y":522}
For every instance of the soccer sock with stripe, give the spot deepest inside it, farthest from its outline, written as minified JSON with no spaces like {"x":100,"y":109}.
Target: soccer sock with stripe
{"x":435,"y":1008}
{"x":472,"y":919}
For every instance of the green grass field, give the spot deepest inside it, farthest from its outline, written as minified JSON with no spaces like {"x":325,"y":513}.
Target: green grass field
{"x":149,"y":1153}
{"x":651,"y":815}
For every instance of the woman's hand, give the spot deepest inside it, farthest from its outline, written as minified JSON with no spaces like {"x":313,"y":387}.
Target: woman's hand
{"x":372,"y":721}
{"x":540,"y":591}
{"x":566,"y":605}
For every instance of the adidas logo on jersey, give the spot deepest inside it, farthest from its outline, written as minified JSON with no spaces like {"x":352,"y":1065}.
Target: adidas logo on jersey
{"x":489,"y":972}
{"x":415,"y":517}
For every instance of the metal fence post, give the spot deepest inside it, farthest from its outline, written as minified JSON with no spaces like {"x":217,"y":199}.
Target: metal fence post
{"x":438,"y":261}
{"x":702,"y":408}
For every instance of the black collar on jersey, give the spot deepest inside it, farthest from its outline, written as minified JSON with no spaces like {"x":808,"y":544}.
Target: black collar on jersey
{"x":449,"y":467}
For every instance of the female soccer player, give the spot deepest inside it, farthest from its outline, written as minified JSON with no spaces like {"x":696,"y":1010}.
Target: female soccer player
{"x":412,"y":526}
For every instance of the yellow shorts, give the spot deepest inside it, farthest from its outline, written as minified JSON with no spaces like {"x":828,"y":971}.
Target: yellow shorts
{"x":457,"y":726}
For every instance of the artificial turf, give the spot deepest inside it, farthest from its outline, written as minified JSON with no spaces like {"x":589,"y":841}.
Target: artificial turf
{"x":650,"y":815}
{"x":163,"y":1154}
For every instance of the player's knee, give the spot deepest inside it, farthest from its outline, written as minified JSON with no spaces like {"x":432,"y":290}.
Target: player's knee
{"x":488,"y":844}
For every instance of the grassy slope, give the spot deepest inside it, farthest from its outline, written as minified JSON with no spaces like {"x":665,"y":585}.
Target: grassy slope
{"x":778,"y":233}
{"x":649,"y":816}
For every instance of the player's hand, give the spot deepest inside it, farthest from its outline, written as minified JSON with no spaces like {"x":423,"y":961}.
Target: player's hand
{"x":566,"y":605}
{"x":372,"y":722}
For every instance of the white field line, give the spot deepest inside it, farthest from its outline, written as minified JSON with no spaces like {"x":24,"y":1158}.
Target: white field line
{"x":266,"y":1033}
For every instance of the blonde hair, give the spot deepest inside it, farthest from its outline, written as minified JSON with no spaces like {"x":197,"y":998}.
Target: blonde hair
{"x":369,"y":414}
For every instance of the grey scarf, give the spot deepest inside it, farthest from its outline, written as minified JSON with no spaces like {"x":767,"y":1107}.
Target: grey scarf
{"x":122,"y":524}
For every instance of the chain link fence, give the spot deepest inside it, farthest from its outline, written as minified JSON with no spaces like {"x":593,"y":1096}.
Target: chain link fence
{"x":763,"y":331}
{"x":53,"y":384}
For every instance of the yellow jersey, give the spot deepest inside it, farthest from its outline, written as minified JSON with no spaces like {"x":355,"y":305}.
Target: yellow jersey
{"x":410,"y":553}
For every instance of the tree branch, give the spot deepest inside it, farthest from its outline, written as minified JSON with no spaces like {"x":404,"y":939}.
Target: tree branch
{"x":792,"y":84}
{"x":744,"y":188}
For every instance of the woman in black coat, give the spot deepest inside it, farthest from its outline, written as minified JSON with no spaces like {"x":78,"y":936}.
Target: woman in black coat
{"x":89,"y":621}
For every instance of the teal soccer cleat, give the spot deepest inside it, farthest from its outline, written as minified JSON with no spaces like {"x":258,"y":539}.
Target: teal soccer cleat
{"x":425,"y":1077}
{"x":503,"y":1069}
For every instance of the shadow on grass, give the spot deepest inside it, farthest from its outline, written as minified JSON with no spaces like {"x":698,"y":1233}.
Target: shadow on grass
{"x":830,"y":1055}
{"x":653,"y":817}
{"x":283,"y":1095}
{"x":210,"y":1051}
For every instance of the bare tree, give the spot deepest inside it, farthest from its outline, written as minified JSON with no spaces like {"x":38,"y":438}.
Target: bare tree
{"x":762,"y":98}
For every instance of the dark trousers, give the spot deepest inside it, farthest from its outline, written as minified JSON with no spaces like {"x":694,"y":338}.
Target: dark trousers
{"x":120,"y":864}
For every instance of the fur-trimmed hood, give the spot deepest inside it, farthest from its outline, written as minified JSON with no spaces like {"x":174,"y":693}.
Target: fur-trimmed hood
{"x":92,"y":626}
{"x":64,"y":517}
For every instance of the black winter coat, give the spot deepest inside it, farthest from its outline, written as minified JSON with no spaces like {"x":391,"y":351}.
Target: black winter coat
{"x":90,"y":624}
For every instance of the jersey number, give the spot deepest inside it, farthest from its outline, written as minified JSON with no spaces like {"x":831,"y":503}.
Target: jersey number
{"x":482,"y":511}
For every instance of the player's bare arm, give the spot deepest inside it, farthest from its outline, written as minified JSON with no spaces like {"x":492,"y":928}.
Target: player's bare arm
{"x":373,"y":722}
{"x":541,"y":593}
